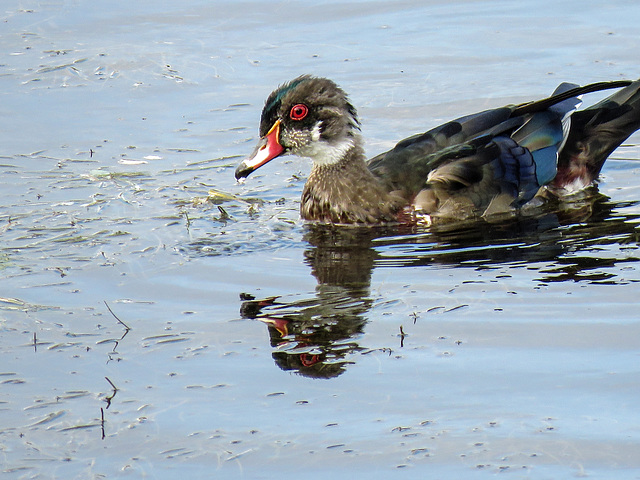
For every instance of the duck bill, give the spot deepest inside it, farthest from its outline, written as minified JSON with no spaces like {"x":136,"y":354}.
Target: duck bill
{"x":267,"y":149}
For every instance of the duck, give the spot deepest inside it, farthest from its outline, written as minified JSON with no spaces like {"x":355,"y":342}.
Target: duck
{"x":497,"y":161}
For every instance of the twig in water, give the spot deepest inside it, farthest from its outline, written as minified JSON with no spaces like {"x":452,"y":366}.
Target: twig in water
{"x":188,"y":220}
{"x":102,"y":420}
{"x":223,"y":214}
{"x":115,"y":390}
{"x":111,"y":383}
{"x":116,"y":317}
{"x":35,"y":342}
{"x":402,"y":335}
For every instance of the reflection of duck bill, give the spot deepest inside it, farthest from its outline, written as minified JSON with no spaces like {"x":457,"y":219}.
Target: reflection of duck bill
{"x":279,"y":324}
{"x":252,"y":308}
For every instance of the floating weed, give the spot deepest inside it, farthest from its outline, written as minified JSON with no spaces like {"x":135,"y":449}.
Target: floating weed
{"x":183,"y":150}
{"x":73,"y":394}
{"x":13,"y":303}
{"x":41,"y":404}
{"x":60,"y":346}
{"x":7,"y":303}
{"x":81,"y":427}
{"x":216,"y":196}
{"x":48,"y":418}
{"x":164,"y":339}
{"x":96,"y":175}
{"x":214,"y":162}
{"x":177,"y":452}
{"x":53,"y":68}
{"x":73,"y":239}
{"x":14,"y":381}
{"x":171,"y":340}
{"x":79,"y":160}
{"x":118,"y":233}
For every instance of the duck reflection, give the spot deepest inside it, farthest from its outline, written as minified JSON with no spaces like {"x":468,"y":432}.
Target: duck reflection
{"x":316,"y":339}
{"x":562,"y":242}
{"x":317,"y":336}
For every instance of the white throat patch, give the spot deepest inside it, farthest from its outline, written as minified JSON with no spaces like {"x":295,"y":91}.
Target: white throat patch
{"x":323,"y":152}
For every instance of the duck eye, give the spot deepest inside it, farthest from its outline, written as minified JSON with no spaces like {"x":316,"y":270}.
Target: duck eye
{"x":298,"y":112}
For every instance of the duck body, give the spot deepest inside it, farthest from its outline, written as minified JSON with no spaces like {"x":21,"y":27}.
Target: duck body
{"x":495,"y":161}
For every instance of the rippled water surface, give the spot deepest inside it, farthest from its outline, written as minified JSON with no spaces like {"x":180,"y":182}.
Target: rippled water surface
{"x":159,"y":320}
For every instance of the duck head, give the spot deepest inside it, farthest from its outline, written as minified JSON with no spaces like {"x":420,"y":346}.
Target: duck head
{"x":309,"y":117}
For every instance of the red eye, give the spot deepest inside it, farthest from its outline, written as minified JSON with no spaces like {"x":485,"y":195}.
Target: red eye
{"x":298,"y":112}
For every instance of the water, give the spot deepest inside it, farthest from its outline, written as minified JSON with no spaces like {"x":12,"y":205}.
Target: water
{"x":157,"y":319}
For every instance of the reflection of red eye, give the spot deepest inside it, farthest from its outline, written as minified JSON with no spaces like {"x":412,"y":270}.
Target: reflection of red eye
{"x":308,"y":360}
{"x":298,"y":112}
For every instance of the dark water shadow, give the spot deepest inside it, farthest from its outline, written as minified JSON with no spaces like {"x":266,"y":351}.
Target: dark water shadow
{"x":315,"y":336}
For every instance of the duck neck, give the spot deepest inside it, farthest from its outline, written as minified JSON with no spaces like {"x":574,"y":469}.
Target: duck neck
{"x":346,"y":192}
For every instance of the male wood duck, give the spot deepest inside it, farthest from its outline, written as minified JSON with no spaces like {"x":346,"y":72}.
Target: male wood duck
{"x":495,"y":161}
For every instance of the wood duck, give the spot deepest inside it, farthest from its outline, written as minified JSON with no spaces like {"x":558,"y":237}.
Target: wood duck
{"x":495,"y":161}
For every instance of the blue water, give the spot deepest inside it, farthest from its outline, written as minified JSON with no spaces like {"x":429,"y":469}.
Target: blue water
{"x":260,"y":347}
